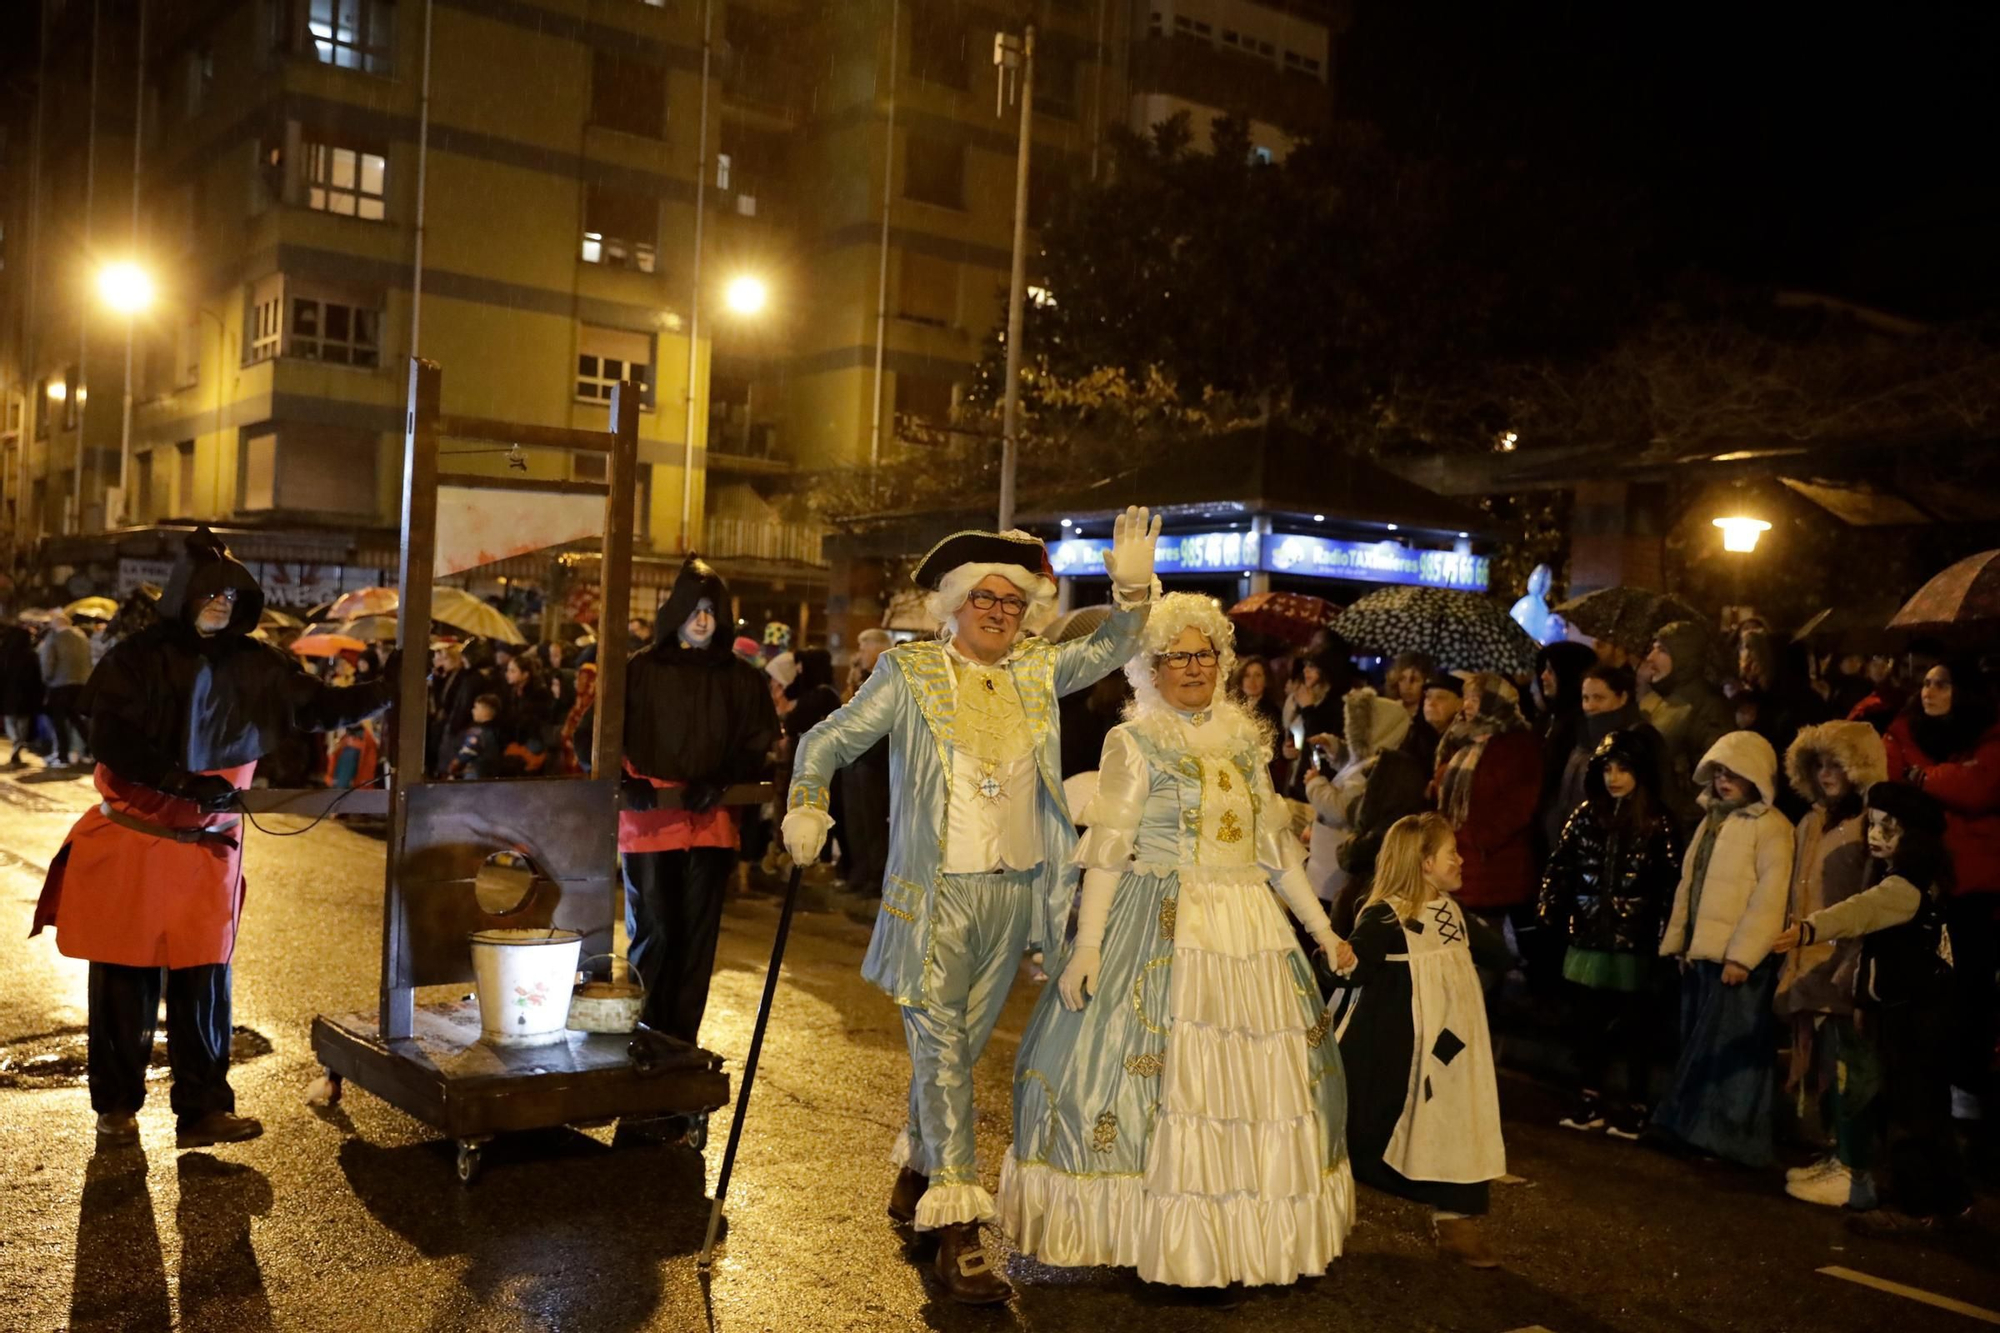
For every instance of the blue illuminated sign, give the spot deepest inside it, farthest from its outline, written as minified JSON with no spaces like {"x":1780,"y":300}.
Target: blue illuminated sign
{"x":1297,"y":554}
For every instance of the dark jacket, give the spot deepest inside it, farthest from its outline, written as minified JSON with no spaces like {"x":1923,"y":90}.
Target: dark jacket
{"x":1609,"y":887}
{"x":171,"y":700}
{"x":698,"y":715}
{"x":20,"y":673}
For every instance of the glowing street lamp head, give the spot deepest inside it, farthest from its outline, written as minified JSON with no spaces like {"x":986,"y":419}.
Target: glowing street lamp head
{"x":746,"y":295}
{"x":125,"y":288}
{"x":1740,"y":533}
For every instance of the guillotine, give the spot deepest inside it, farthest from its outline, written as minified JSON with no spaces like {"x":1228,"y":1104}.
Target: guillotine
{"x":428,"y":1059}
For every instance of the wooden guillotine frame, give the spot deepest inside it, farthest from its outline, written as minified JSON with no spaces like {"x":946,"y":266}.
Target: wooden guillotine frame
{"x":428,"y":1060}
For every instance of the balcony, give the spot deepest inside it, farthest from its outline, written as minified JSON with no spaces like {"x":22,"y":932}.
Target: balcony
{"x":765,"y":540}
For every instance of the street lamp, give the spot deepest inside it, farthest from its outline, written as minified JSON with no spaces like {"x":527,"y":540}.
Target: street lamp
{"x":1740,"y":533}
{"x":127,"y":289}
{"x":746,"y":295}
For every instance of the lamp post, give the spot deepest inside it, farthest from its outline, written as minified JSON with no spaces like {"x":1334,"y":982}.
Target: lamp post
{"x":1009,"y":53}
{"x":1740,"y":533}
{"x":128,"y":290}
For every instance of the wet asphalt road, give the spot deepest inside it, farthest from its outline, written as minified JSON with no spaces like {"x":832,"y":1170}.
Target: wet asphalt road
{"x":350,"y":1218}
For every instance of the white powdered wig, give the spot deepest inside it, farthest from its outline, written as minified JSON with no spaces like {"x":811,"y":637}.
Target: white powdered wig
{"x":954,"y":587}
{"x":1172,"y":614}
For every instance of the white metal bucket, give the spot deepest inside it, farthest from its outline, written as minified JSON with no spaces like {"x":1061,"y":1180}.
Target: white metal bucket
{"x":524,"y":979}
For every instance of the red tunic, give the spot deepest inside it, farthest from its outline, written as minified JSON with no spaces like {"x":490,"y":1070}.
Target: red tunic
{"x":672,"y":830}
{"x":119,"y":895}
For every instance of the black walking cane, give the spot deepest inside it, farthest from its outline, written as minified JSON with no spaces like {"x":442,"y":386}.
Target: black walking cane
{"x":750,"y":1068}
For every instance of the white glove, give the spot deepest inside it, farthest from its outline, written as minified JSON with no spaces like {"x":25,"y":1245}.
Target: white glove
{"x":1339,"y":953}
{"x":805,"y":832}
{"x":1129,"y":562}
{"x":1079,"y":979}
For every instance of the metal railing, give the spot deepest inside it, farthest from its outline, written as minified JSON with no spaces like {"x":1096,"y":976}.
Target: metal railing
{"x":761,"y":539}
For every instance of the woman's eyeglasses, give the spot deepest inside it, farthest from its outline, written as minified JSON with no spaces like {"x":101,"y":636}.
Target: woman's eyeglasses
{"x":1207,"y":657}
{"x":983,"y":600}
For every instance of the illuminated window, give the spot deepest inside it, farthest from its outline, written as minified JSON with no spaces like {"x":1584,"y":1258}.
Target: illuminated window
{"x":346,"y":181}
{"x":352,"y":34}
{"x":331,"y":331}
{"x":619,"y":229}
{"x":604,"y":357}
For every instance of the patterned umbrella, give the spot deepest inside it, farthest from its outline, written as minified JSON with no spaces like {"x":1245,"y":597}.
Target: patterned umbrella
{"x":1968,"y":593}
{"x":364,"y":602}
{"x":1290,"y":616}
{"x":1628,"y":617}
{"x":1460,"y":631}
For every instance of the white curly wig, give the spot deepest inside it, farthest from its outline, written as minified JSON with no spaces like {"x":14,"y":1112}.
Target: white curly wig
{"x":954,"y":587}
{"x":1172,"y":614}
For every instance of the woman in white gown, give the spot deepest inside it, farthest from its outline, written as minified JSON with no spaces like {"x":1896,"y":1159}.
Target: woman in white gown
{"x":1179,"y":1104}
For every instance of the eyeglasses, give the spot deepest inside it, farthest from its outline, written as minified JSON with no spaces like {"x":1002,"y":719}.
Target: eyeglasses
{"x":1207,"y":657}
{"x":982,"y":600}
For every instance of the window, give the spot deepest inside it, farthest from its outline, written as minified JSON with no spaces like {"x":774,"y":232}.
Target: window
{"x":590,"y":467}
{"x":934,"y":171}
{"x":347,"y":181}
{"x":186,"y":367}
{"x":606,"y":356}
{"x":344,"y":334}
{"x":627,"y":95}
{"x":307,"y":467}
{"x":926,"y":289}
{"x":199,"y":74}
{"x":619,"y":229}
{"x":43,"y":409}
{"x":922,"y":401}
{"x":937,"y":44}
{"x":184,"y":477}
{"x":264,"y":321}
{"x":353,"y":34}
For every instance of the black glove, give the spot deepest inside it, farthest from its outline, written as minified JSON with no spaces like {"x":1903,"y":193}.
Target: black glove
{"x":210,"y":791}
{"x":699,"y":796}
{"x":638,"y":794}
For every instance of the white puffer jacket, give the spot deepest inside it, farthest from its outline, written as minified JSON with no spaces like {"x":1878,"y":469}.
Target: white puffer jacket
{"x":1374,"y":724}
{"x":1743,"y":900}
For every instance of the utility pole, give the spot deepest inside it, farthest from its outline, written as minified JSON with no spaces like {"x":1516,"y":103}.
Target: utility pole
{"x":1008,"y":52}
{"x":79,"y":392}
{"x":132,"y":316}
{"x":882,"y":274}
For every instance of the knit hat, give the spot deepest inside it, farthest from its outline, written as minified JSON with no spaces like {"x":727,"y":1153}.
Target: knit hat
{"x":1916,"y":810}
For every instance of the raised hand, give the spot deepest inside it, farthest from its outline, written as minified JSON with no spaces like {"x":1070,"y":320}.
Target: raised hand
{"x":1129,"y":562}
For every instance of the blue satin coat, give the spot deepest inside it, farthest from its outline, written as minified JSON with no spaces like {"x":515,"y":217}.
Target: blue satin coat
{"x":910,"y":698}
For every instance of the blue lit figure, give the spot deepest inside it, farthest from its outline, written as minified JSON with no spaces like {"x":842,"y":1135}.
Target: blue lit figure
{"x":1532,"y":612}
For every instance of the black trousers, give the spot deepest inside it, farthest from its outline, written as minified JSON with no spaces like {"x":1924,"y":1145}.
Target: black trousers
{"x":1605,"y":1027}
{"x":66,"y":717}
{"x":673,"y":910}
{"x":865,"y":833}
{"x":1975,"y":957}
{"x":1926,"y":1174}
{"x":124,"y":1007}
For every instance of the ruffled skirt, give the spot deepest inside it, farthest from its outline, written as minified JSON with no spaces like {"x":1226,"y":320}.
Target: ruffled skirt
{"x":1191,"y":1130}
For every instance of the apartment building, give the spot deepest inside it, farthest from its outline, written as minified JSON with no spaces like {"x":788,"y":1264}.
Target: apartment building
{"x":859,"y":173}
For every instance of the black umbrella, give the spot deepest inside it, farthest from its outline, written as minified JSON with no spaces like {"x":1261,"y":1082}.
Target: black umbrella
{"x":1460,"y":631}
{"x":1628,"y":617}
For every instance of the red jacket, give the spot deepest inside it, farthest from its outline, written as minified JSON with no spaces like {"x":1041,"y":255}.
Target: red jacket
{"x":1967,"y":785}
{"x":1498,"y":839}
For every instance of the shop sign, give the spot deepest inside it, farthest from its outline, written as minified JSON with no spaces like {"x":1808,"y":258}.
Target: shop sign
{"x":287,"y":583}
{"x":1297,"y":555}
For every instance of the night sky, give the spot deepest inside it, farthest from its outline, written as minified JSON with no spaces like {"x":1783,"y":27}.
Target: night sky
{"x":1845,"y":148}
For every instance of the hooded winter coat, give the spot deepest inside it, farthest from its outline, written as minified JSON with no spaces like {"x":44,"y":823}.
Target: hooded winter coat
{"x":1829,"y":864}
{"x":20,"y":673}
{"x":1610,"y":877}
{"x":693,"y":716}
{"x":1373,"y":724}
{"x":1737,"y":909}
{"x":1959,"y":765}
{"x":150,"y":878}
{"x":1687,"y":708}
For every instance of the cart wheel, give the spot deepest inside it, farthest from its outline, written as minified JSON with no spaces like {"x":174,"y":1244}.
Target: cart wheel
{"x":468,"y":1161}
{"x":697,"y":1132}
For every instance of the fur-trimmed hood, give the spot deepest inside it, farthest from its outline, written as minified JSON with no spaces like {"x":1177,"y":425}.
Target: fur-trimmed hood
{"x":1855,"y":746}
{"x":1374,"y":724}
{"x":1745,"y":754}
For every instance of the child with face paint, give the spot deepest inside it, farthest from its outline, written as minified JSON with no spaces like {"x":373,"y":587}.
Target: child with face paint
{"x":1728,"y":908}
{"x":1899,"y":1077}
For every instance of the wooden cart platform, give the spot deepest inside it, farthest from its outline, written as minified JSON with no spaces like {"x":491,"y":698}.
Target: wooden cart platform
{"x":445,"y":1076}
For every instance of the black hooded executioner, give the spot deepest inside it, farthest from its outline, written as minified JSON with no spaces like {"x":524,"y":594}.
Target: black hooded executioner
{"x":152,"y":878}
{"x":698,"y":719}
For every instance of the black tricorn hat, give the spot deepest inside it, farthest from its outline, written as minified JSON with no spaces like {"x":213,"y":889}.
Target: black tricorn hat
{"x":983,"y":548}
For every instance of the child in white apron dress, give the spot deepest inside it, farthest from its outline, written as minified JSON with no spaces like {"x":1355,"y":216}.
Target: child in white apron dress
{"x":1424,"y":1110}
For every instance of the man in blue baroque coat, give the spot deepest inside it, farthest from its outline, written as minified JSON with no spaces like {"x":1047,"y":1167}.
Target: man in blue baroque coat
{"x":981,"y":840}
